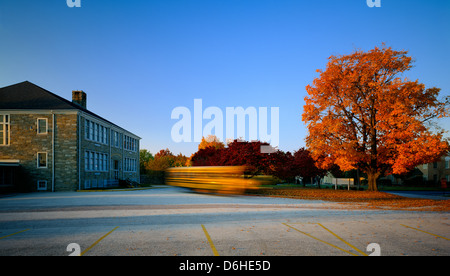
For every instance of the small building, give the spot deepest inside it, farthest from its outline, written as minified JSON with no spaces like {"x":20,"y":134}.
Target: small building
{"x":48,"y":143}
{"x":434,"y":172}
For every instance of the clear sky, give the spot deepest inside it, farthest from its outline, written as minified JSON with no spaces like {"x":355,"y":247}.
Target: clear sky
{"x":138,"y":60}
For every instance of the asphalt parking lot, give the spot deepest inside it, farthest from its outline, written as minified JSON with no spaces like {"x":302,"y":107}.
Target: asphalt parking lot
{"x":173,"y":222}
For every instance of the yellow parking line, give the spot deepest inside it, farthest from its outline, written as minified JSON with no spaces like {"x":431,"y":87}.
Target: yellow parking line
{"x":311,"y":236}
{"x":95,"y":243}
{"x":14,"y":234}
{"x":210,"y":241}
{"x":425,"y":232}
{"x":341,"y":239}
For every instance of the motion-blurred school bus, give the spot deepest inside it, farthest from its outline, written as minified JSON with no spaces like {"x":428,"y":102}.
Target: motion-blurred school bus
{"x":214,"y":179}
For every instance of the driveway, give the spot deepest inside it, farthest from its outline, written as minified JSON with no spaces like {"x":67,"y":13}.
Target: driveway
{"x":174,"y":222}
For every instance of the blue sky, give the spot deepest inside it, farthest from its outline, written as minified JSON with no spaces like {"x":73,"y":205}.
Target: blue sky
{"x":138,"y":60}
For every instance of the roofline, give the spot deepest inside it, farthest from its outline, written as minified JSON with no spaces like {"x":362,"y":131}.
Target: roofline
{"x":112,"y":125}
{"x":75,"y":106}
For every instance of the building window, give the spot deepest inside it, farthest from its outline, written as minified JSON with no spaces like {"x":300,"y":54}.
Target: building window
{"x":42,"y":160}
{"x":42,"y":125}
{"x":447,"y":162}
{"x":95,"y":161}
{"x":86,"y":161}
{"x":130,"y":144}
{"x":91,"y":133}
{"x":116,"y":139}
{"x":4,"y":130}
{"x":96,"y":132}
{"x":435,"y":165}
{"x":42,"y":185}
{"x":130,"y":165}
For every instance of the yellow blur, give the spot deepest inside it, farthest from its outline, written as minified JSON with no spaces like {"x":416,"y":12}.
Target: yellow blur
{"x":226,"y":179}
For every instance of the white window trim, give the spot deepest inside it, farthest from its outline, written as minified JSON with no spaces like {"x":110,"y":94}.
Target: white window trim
{"x":46,"y":126}
{"x":46,"y":160}
{"x":6,"y":126}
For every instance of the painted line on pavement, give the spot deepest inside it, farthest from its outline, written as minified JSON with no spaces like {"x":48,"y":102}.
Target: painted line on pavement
{"x":311,"y":236}
{"x":210,"y":241}
{"x":341,"y":239}
{"x":95,"y":243}
{"x":14,"y":234}
{"x":425,"y":232}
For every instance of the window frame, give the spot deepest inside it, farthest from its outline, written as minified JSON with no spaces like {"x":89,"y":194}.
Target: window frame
{"x":39,"y":187}
{"x":46,"y":160}
{"x":6,"y":131}
{"x":96,"y":132}
{"x":38,"y":128}
{"x":95,"y":161}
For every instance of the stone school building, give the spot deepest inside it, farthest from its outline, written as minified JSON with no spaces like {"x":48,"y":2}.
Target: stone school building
{"x":48,"y":143}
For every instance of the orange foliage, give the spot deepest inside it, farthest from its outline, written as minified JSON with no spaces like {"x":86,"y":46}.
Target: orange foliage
{"x":360,"y":114}
{"x":211,"y":141}
{"x":361,"y":199}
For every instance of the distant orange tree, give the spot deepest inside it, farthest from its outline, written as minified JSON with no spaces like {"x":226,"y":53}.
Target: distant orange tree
{"x":361,"y":115}
{"x":211,"y":141}
{"x":165,"y":159}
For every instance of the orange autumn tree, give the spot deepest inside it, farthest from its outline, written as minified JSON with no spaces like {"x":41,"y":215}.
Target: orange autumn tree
{"x":361,"y":115}
{"x":211,"y":141}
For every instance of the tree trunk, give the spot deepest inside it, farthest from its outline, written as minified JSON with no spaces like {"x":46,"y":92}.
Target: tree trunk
{"x":372,"y":181}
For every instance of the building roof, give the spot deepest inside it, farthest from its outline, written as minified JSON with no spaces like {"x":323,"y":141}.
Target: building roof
{"x":28,"y":96}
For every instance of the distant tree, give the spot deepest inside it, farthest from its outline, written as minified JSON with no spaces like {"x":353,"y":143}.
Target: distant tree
{"x":237,"y":153}
{"x":305,"y":165}
{"x":163,"y":152}
{"x":211,"y":141}
{"x":287,"y":166}
{"x":144,"y":157}
{"x":361,"y":115}
{"x":165,"y":159}
{"x":181,"y":161}
{"x":209,"y":156}
{"x":248,"y":154}
{"x":282,"y":166}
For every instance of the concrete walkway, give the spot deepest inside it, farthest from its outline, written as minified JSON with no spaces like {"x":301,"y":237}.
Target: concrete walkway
{"x":437,"y":195}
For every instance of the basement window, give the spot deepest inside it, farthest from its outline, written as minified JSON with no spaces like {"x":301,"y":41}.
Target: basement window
{"x":42,"y":185}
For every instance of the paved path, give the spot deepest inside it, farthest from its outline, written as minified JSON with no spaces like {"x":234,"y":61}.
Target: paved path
{"x":174,"y":222}
{"x":437,"y":195}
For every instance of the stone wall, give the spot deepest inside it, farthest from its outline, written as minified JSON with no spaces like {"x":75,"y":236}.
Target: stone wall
{"x":91,"y":179}
{"x":66,"y":153}
{"x":70,"y":145}
{"x":26,"y":143}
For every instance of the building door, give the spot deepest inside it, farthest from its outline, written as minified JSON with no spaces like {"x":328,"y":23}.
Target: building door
{"x":116,"y":169}
{"x":8,"y":175}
